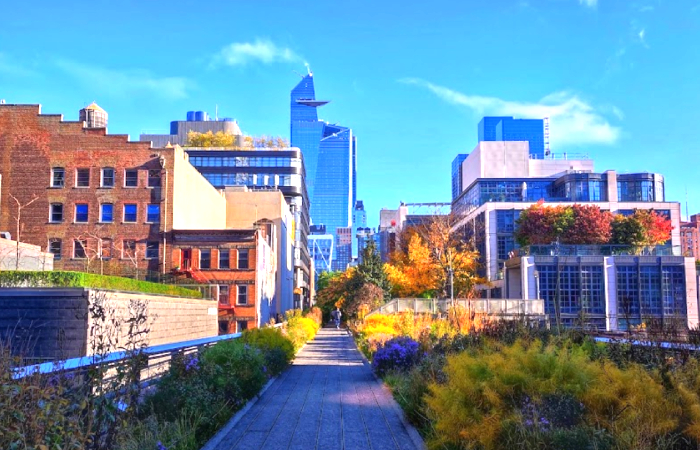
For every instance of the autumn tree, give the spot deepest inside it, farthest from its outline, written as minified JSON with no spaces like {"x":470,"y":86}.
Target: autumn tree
{"x":541,"y":224}
{"x":210,"y":139}
{"x":422,"y":265}
{"x":590,"y":225}
{"x":643,"y":229}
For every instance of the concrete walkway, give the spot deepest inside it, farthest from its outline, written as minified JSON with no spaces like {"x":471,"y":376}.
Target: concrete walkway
{"x":327,"y":400}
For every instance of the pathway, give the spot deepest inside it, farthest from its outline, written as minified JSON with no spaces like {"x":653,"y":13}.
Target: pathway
{"x":327,"y":400}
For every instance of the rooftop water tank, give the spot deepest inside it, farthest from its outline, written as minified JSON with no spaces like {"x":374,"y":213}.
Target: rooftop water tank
{"x":190,"y":116}
{"x":199,"y":116}
{"x":93,"y":116}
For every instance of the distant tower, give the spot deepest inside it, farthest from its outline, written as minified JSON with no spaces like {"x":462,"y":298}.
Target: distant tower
{"x":93,"y":116}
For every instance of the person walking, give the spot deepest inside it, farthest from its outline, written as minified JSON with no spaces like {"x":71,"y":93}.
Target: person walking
{"x":336,"y":315}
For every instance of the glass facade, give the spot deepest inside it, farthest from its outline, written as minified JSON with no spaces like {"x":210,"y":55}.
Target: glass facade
{"x":330,"y":153}
{"x":579,"y":289}
{"x":645,"y":292}
{"x":457,"y":174}
{"x":510,"y":129}
{"x":642,"y":187}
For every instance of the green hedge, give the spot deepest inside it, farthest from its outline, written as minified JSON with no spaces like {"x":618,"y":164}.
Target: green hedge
{"x":11,"y":278}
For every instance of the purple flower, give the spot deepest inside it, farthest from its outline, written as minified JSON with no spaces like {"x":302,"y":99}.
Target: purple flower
{"x":160,"y":446}
{"x":192,"y":364}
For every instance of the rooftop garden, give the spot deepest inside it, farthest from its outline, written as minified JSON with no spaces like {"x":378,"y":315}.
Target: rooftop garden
{"x":20,"y":278}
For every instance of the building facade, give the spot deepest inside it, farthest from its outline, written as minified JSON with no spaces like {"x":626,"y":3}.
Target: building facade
{"x":690,"y":237}
{"x":510,"y":129}
{"x":457,"y":174}
{"x":359,"y":221}
{"x":330,"y":154}
{"x":266,"y":170}
{"x":321,"y":246}
{"x":501,"y":180}
{"x":240,"y":264}
{"x":608,"y":293}
{"x":98,"y":202}
{"x":343,"y":246}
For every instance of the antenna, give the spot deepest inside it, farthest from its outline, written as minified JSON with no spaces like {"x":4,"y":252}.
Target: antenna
{"x":687,"y":214}
{"x":308,"y":69}
{"x":216,"y":113}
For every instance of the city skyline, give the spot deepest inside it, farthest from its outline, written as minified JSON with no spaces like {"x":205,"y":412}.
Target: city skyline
{"x":624,"y":95}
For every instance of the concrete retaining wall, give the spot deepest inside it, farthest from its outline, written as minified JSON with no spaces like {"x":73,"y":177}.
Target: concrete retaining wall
{"x":56,"y":323}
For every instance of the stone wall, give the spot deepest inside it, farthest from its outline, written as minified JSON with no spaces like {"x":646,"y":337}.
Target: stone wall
{"x":55,"y":323}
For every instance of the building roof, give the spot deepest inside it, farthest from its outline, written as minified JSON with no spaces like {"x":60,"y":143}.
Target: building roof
{"x":95,"y":107}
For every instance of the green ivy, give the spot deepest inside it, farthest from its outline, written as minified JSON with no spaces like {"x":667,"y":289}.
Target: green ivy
{"x":11,"y":278}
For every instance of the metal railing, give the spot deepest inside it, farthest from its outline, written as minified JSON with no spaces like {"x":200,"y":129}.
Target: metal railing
{"x":159,"y":357}
{"x":498,"y":307}
{"x":596,"y":250}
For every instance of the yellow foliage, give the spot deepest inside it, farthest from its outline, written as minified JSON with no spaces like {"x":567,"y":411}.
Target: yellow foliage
{"x":209,"y":139}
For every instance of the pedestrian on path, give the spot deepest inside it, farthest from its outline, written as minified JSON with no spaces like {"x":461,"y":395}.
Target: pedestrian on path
{"x":336,"y":315}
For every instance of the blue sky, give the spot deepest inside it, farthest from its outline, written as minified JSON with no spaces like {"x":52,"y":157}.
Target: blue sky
{"x":620,"y":80}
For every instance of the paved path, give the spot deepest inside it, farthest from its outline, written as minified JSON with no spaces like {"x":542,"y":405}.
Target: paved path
{"x":327,"y":400}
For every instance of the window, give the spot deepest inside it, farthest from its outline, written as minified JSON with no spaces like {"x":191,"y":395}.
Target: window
{"x":154,"y":178}
{"x":242,"y":297}
{"x":243,"y":258}
{"x":107,"y":179}
{"x":58,"y":177}
{"x":106,"y":249}
{"x":79,"y":247}
{"x":131,"y":178}
{"x":223,"y":326}
{"x":152,"y":250}
{"x":130,"y":212}
{"x":223,"y":294}
{"x":82,"y":177}
{"x":56,"y":213}
{"x":241,"y":326}
{"x":81,"y":213}
{"x":205,"y":259}
{"x":153,"y":213}
{"x":224,"y":258}
{"x":129,"y":249}
{"x":107,"y":213}
{"x":55,"y":248}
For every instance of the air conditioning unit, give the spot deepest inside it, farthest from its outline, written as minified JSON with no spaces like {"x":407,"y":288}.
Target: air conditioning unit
{"x":5,"y":235}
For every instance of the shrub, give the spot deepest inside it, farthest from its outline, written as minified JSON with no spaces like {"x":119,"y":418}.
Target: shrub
{"x":316,"y":315}
{"x":277,"y":348}
{"x":299,"y":329}
{"x":237,"y":361}
{"x":397,"y":354}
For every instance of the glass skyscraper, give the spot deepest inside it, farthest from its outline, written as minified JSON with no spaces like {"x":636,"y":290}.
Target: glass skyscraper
{"x":510,"y":129}
{"x":330,"y":157}
{"x":457,"y":174}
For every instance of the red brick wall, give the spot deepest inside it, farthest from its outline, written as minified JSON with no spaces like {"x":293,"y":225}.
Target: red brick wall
{"x":32,"y":144}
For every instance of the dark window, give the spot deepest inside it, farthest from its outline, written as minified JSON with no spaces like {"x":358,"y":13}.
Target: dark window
{"x":242,"y":325}
{"x":152,"y":250}
{"x":223,"y":326}
{"x":131,"y":178}
{"x":205,"y":259}
{"x":82,"y":177}
{"x":130,"y":212}
{"x":129,"y":249}
{"x":223,"y":294}
{"x":107,"y":177}
{"x":55,"y":248}
{"x":153,"y":213}
{"x":242,"y":298}
{"x":107,"y":212}
{"x":243,"y":258}
{"x":56,"y":213}
{"x":81,"y":213}
{"x":154,"y":178}
{"x":224,"y":261}
{"x":79,"y":248}
{"x":58,"y":177}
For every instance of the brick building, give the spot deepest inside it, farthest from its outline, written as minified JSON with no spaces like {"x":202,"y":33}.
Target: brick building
{"x":242,"y":266}
{"x":103,"y":203}
{"x":690,"y":237}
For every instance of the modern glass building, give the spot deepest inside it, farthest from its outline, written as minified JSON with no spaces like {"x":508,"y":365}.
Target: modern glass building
{"x":510,"y":129}
{"x":330,"y":153}
{"x":359,"y":221}
{"x":457,"y":174}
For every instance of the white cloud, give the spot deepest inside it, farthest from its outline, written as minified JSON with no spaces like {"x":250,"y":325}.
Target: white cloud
{"x":589,"y":3}
{"x":262,"y":50}
{"x":125,"y":82}
{"x":573,"y":122}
